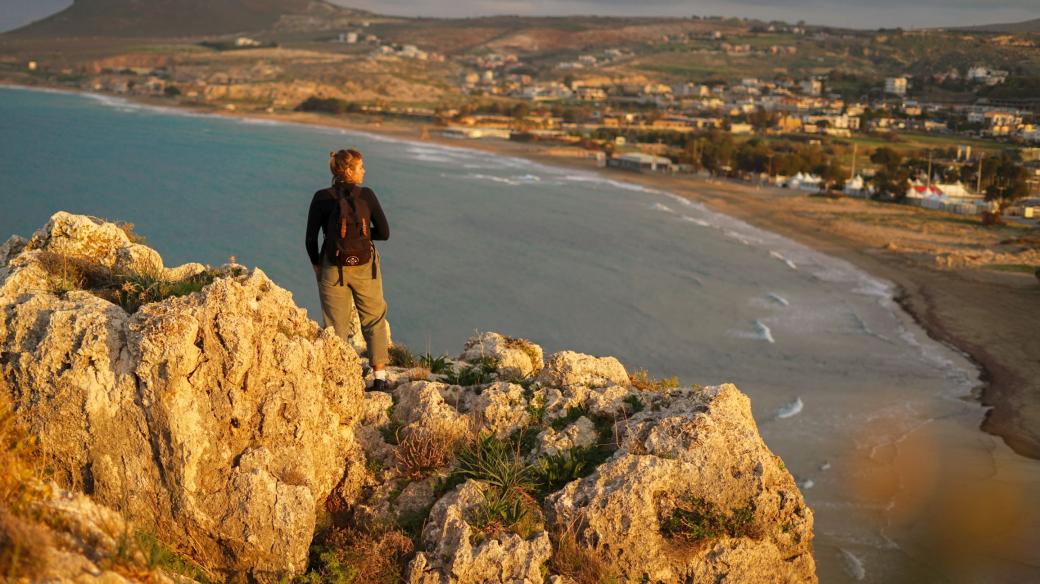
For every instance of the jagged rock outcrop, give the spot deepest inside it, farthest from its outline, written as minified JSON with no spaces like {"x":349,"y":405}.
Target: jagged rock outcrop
{"x":222,"y":418}
{"x":568,"y":369}
{"x":514,"y":357}
{"x":453,"y":555}
{"x":689,"y":447}
{"x":648,"y":453}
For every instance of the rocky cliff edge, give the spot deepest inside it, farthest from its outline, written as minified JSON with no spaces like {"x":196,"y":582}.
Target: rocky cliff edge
{"x":202,"y":407}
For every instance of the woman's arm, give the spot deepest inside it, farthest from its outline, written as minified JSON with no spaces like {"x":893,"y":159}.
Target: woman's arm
{"x":380,"y":227}
{"x":314,"y":221}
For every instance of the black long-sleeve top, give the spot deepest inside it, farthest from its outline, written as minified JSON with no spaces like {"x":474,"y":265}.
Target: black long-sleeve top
{"x":323,"y":204}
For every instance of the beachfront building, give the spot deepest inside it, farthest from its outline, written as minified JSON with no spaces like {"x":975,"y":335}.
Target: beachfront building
{"x":805,"y":182}
{"x":475,"y":133}
{"x":952,"y":198}
{"x":858,"y":187}
{"x":640,"y":161}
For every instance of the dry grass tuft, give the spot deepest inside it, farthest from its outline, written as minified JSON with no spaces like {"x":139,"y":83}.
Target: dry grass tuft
{"x":577,"y":562}
{"x":23,"y":540}
{"x":424,"y":450}
{"x":419,"y":374}
{"x":23,"y":546}
{"x":129,"y":290}
{"x":22,"y":481}
{"x":641,"y":380}
{"x":349,"y":555}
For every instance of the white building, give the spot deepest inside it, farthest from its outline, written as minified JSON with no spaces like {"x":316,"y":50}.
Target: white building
{"x":857,"y":187}
{"x":812,"y":86}
{"x":896,"y":85}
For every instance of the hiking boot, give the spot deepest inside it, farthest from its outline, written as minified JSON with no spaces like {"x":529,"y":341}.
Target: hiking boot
{"x":380,"y":385}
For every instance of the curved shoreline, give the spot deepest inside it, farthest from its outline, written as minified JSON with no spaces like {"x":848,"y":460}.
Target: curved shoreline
{"x":1003,"y":389}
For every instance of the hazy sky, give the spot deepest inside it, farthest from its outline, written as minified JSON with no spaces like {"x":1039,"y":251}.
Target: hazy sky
{"x":850,"y":13}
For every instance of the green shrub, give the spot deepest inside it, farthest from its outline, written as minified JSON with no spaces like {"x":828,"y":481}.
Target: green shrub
{"x":493,"y":461}
{"x":553,"y":471}
{"x":508,"y":481}
{"x":133,"y":548}
{"x":696,"y":519}
{"x":436,"y":365}
{"x":503,"y":510}
{"x":634,"y":405}
{"x":536,"y":410}
{"x":132,"y":291}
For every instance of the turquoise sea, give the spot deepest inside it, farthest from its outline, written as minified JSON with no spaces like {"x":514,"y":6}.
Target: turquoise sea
{"x":841,"y":380}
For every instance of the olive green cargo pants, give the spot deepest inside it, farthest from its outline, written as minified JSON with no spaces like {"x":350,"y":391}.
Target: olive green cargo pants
{"x":357,"y":289}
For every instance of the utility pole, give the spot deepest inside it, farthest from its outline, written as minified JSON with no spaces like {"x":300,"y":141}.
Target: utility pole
{"x":855,"y":151}
{"x":929,"y":170}
{"x":978,"y":184}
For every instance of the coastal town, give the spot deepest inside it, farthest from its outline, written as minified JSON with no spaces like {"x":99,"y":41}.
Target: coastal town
{"x":962,"y":137}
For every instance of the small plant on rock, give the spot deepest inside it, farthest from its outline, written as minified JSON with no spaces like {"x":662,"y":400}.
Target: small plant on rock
{"x":527,"y":347}
{"x":696,"y":519}
{"x":553,"y":471}
{"x":350,"y":555}
{"x":577,"y":562}
{"x":508,"y":482}
{"x":641,"y":380}
{"x":436,"y":365}
{"x":424,"y":450}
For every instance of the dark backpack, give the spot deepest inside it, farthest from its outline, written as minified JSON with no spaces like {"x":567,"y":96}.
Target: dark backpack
{"x":347,"y":233}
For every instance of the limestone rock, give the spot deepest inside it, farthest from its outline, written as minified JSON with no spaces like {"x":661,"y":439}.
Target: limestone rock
{"x":103,"y":242}
{"x":224,"y":416}
{"x":580,"y":434}
{"x":501,"y":408}
{"x":515,"y":357}
{"x":11,"y":248}
{"x":420,"y":403}
{"x":611,"y":400}
{"x":451,"y":557}
{"x":557,"y":402}
{"x":702,"y":445}
{"x":569,"y":369}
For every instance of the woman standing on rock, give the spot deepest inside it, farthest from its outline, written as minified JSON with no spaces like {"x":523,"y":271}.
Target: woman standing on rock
{"x":347,"y":264}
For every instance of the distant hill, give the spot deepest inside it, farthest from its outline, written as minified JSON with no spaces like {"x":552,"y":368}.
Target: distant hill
{"x":1026,"y":27}
{"x":175,"y":18}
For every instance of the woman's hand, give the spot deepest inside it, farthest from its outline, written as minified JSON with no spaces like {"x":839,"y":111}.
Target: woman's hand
{"x":317,"y":269}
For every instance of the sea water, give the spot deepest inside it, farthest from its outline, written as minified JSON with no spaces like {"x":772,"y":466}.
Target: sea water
{"x":871,"y":416}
